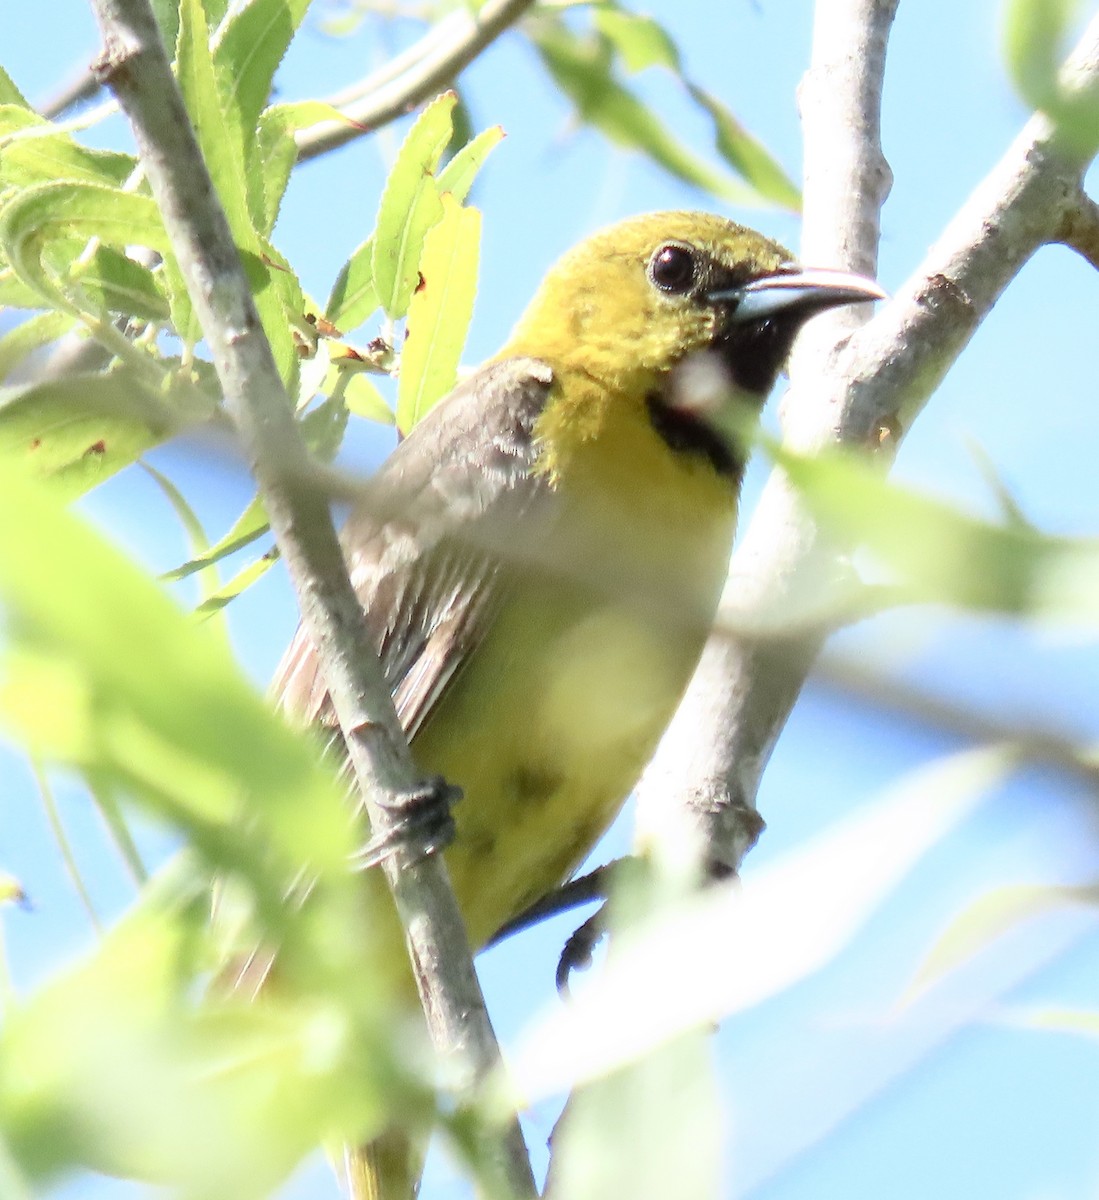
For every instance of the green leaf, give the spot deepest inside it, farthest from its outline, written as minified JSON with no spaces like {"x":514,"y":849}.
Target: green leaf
{"x":458,"y":175}
{"x":583,"y":72}
{"x":323,"y":428}
{"x":1035,"y":35}
{"x":79,"y":430}
{"x":249,"y":50}
{"x":36,"y":216}
{"x":33,"y":151}
{"x":150,"y":698}
{"x":354,"y":296}
{"x":942,"y":555}
{"x":439,"y":313}
{"x":241,"y":581}
{"x":747,"y":155}
{"x":410,"y":205}
{"x":29,"y":335}
{"x":987,"y":919}
{"x":649,"y":1131}
{"x":217,"y":128}
{"x":359,"y":394}
{"x":275,"y":153}
{"x":189,"y":520}
{"x":641,"y":41}
{"x":9,"y":93}
{"x":113,"y":281}
{"x":251,"y":524}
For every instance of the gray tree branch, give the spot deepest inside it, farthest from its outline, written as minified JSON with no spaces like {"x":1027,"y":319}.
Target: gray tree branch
{"x":136,"y":67}
{"x":862,"y":390}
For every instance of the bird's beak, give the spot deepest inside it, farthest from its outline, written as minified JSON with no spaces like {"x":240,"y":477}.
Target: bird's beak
{"x":804,"y":290}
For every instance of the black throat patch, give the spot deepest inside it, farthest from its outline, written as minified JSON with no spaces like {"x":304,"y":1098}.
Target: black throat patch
{"x":685,"y":432}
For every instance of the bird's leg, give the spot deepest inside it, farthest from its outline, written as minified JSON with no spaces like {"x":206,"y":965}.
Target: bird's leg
{"x":421,"y":824}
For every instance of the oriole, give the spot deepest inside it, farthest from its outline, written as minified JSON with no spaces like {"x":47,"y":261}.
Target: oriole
{"x":564,"y":523}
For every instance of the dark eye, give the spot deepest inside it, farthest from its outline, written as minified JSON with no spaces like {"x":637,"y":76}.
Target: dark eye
{"x":672,"y":268}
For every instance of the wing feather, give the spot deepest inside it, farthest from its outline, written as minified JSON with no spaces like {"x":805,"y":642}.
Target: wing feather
{"x":428,"y":550}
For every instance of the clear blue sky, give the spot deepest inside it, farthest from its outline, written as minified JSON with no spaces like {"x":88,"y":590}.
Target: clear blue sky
{"x":829,"y":1094}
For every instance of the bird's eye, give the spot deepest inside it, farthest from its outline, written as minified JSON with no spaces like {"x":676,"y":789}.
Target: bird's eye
{"x":672,"y":268}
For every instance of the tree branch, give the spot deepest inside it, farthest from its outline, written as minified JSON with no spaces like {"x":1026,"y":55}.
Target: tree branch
{"x":426,"y":68}
{"x":1080,"y":231}
{"x":707,"y":771}
{"x":136,"y":68}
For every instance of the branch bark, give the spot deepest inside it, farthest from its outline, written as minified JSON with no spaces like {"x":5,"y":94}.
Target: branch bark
{"x":859,"y":387}
{"x":426,"y":68}
{"x":136,"y":68}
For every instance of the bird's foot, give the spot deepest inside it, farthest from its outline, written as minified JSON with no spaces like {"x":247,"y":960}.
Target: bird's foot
{"x":420,"y":824}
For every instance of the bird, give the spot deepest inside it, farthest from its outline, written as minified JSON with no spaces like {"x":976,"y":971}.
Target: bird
{"x":541,"y":558}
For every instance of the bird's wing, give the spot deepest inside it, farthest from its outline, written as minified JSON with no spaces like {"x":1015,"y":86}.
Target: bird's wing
{"x":428,"y":549}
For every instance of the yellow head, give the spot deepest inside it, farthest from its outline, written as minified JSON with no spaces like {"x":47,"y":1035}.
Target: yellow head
{"x":616,"y":315}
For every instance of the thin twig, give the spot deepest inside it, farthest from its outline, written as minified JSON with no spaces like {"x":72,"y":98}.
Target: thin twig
{"x":710,"y":763}
{"x":136,"y":68}
{"x":437,"y":62}
{"x":1034,"y":743}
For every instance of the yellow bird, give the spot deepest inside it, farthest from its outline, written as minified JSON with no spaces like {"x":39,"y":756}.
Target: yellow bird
{"x":564,"y":520}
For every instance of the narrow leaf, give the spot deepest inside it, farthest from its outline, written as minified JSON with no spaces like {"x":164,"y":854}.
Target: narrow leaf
{"x":640,"y":40}
{"x":410,"y":205}
{"x":439,"y":314}
{"x":458,"y":175}
{"x":251,"y":524}
{"x":748,"y":157}
{"x":354,"y":296}
{"x":987,"y":919}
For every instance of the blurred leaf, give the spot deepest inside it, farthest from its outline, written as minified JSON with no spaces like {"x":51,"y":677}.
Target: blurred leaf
{"x":152,"y":699}
{"x":1082,"y":1022}
{"x":209,"y":580}
{"x":1035,"y":35}
{"x":9,"y":93}
{"x":35,"y":152}
{"x":1036,"y":39}
{"x":987,"y":919}
{"x":649,"y":1131}
{"x":746,"y":154}
{"x":410,"y":205}
{"x":356,"y":389}
{"x":458,"y":175}
{"x":1011,"y":512}
{"x":11,"y":890}
{"x":251,"y":524}
{"x":942,"y":555}
{"x":28,"y":336}
{"x":641,"y":41}
{"x":790,"y":920}
{"x":114,"y":1067}
{"x":439,"y":313}
{"x":584,"y":73}
{"x":354,"y":296}
{"x":80,"y":429}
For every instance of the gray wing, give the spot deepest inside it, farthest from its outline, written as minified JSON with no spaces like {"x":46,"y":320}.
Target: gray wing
{"x":428,"y":549}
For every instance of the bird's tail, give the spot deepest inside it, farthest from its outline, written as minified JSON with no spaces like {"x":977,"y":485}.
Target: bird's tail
{"x":387,"y":1168}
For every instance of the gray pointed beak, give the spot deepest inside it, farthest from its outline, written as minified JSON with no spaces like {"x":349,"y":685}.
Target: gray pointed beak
{"x":807,"y":290}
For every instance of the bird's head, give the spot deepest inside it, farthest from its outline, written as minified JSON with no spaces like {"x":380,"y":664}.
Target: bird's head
{"x":630,"y":303}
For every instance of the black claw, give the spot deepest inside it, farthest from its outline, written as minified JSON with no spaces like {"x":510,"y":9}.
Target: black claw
{"x":578,"y":950}
{"x":421,"y":824}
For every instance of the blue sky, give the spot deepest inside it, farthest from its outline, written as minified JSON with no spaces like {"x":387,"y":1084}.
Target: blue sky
{"x":829,"y":1093}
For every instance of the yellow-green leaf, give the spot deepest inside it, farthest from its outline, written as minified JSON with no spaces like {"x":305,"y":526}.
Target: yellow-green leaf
{"x":440,"y":312}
